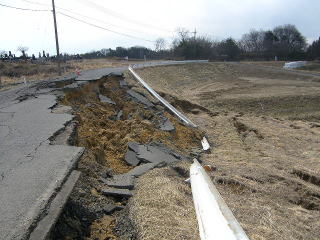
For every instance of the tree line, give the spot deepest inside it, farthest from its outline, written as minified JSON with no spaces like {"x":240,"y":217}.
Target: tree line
{"x":284,"y":42}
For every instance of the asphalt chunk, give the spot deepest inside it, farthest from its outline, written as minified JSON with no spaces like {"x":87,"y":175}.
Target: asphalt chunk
{"x":117,"y":192}
{"x":167,"y":126}
{"x":111,"y":208}
{"x":131,"y":158}
{"x":140,"y":98}
{"x":140,"y":170}
{"x":105,"y":99}
{"x":123,"y":181}
{"x":123,"y":83}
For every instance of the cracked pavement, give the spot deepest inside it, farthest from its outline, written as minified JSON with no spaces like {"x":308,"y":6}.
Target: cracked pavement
{"x":31,"y":170}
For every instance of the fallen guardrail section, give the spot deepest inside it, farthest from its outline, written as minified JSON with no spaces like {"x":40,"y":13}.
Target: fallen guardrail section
{"x":215,"y":219}
{"x":161,"y":99}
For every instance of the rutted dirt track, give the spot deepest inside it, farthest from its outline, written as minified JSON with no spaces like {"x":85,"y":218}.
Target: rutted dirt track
{"x":105,"y":129}
{"x":265,"y":129}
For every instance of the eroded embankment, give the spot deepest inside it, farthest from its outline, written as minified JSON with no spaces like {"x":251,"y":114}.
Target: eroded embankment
{"x":109,"y":117}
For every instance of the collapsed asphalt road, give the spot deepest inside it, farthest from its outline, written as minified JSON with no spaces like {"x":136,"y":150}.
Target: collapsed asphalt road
{"x":36,"y":134}
{"x":32,"y":167}
{"x":125,"y":134}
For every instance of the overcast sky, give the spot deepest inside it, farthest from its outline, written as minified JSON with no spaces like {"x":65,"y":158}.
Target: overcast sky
{"x":148,"y":20}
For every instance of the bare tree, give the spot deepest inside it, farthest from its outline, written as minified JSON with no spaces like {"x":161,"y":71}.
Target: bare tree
{"x":183,"y":34}
{"x":253,"y":41}
{"x":160,"y":44}
{"x":23,"y":50}
{"x":289,"y":39}
{"x":314,"y":50}
{"x":105,"y":51}
{"x":2,"y":53}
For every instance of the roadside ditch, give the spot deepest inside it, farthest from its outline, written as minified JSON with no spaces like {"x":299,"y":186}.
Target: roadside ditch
{"x":125,"y":133}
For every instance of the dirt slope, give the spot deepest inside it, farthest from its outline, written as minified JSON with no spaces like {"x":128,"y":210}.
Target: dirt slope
{"x":105,"y":137}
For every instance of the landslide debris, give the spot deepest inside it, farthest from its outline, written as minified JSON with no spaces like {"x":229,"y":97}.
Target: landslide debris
{"x":125,"y":134}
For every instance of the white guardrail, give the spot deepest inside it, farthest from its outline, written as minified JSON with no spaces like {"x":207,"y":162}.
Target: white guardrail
{"x":162,"y":63}
{"x":161,"y":99}
{"x":215,"y":219}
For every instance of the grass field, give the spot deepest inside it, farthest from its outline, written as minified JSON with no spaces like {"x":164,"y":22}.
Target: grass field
{"x":264,"y":129}
{"x":16,"y":72}
{"x":312,"y":66}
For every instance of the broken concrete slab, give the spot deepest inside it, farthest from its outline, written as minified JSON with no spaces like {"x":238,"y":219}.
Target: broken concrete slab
{"x":107,"y":174}
{"x":96,"y":74}
{"x":140,"y":170}
{"x":155,"y":154}
{"x":27,"y":184}
{"x":117,"y":192}
{"x":152,"y":153}
{"x":81,"y":83}
{"x":117,"y":73}
{"x":140,"y":98}
{"x":71,"y":86}
{"x":131,"y":158}
{"x":167,"y":126}
{"x":111,"y":208}
{"x":123,"y":83}
{"x":43,"y":228}
{"x":134,"y":146}
{"x":62,"y":109}
{"x":105,"y":99}
{"x":123,"y":181}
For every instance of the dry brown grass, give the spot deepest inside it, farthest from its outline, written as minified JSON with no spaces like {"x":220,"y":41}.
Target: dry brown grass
{"x":162,"y":207}
{"x":241,"y":88}
{"x":267,"y":63}
{"x":12,"y":73}
{"x":257,"y":159}
{"x":312,"y":66}
{"x":267,"y":168}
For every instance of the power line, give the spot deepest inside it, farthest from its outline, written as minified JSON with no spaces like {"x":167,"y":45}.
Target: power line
{"x":103,"y":28}
{"x":92,"y":18}
{"x":104,"y":22}
{"x":37,"y":3}
{"x":121,"y":16}
{"x":91,"y":24}
{"x":25,"y":9}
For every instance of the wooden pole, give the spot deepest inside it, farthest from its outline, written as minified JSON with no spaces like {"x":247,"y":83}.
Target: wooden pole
{"x":56,"y":35}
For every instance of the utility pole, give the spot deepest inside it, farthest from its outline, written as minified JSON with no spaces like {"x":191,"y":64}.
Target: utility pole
{"x":194,"y":33}
{"x":56,"y":34}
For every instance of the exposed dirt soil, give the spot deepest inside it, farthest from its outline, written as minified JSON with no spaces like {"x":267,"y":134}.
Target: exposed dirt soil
{"x":105,"y":139}
{"x":264,"y":128}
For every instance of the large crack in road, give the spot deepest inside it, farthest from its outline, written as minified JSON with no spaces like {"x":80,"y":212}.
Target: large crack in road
{"x":125,"y":133}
